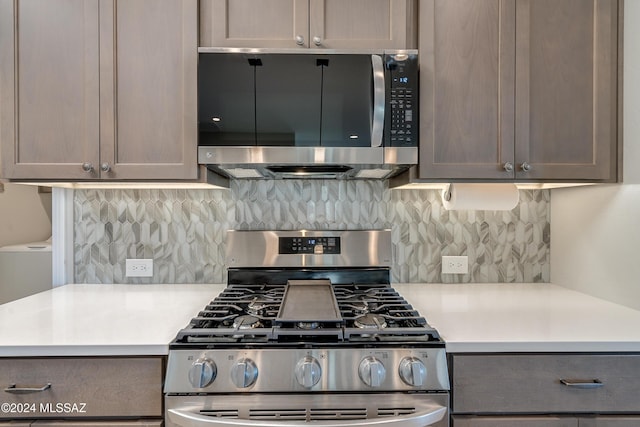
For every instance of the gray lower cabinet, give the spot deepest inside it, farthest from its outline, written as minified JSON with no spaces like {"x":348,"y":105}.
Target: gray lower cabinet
{"x":519,"y":89}
{"x":124,"y":391}
{"x":546,"y":390}
{"x":111,"y":423}
{"x":610,"y":421}
{"x":156,"y":423}
{"x":98,"y":89}
{"x":549,"y":421}
{"x":462,"y":421}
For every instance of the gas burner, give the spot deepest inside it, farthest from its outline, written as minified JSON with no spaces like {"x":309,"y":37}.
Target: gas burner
{"x":256,"y":306}
{"x":273,"y":295}
{"x":361,"y":307}
{"x":308,"y":326}
{"x":370,"y":321}
{"x":360,"y":293}
{"x":246,"y":322}
{"x":373,"y":292}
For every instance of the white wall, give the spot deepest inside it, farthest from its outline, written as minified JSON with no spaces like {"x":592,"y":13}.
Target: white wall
{"x":25,"y":215}
{"x":595,"y":231}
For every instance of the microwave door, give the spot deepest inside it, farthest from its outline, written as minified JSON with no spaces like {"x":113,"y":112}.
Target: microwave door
{"x":288,"y":100}
{"x":348,"y":99}
{"x":226,"y":114}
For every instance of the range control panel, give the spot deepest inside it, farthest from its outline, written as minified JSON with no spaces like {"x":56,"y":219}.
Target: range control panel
{"x":309,"y":245}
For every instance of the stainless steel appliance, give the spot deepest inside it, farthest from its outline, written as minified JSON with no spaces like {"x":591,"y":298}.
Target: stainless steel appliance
{"x":288,"y":114}
{"x":308,"y":332}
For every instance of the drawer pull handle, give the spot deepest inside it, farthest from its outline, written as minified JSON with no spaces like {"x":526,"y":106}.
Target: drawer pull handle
{"x":583,"y":383}
{"x":26,"y":390}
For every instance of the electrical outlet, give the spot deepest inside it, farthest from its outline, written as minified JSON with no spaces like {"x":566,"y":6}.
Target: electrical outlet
{"x":455,"y":265}
{"x":139,"y":268}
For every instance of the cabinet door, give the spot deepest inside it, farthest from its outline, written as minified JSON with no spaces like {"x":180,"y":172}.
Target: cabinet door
{"x":459,"y":421}
{"x":373,"y":24}
{"x":254,"y":23}
{"x":467,"y":52}
{"x":610,"y":421}
{"x":49,"y":88}
{"x":566,"y":89}
{"x":148,"y":91}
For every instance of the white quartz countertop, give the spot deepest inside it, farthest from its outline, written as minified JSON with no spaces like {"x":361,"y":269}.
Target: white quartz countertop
{"x":509,"y":317}
{"x":96,"y":320}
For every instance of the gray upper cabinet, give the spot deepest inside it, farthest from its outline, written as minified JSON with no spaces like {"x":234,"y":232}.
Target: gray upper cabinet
{"x":519,"y":89}
{"x":566,"y":89}
{"x":466,"y":88}
{"x":330,"y":24}
{"x":49,"y":88}
{"x":98,"y":89}
{"x":148,"y":96}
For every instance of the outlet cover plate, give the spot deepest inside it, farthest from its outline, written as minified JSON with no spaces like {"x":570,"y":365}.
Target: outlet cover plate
{"x":139,"y":268}
{"x":455,"y":265}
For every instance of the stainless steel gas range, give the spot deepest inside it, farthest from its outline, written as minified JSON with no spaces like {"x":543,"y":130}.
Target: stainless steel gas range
{"x":308,"y":332}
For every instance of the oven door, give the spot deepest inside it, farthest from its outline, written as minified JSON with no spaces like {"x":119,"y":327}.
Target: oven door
{"x":303,"y":410}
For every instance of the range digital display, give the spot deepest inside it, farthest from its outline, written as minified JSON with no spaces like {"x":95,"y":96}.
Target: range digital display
{"x":309,"y":245}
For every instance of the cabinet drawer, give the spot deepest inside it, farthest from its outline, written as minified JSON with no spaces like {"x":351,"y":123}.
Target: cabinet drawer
{"x":514,"y":421}
{"x":81,"y":387}
{"x":531,"y":383}
{"x":142,"y":423}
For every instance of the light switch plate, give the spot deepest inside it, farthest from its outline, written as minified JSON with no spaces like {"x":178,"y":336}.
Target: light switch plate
{"x":139,"y":268}
{"x":455,"y":265}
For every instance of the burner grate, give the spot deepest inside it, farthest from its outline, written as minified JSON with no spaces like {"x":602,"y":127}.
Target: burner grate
{"x":225,"y":319}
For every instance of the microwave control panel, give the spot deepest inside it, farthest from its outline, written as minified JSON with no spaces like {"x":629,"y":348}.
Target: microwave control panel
{"x":309,"y":245}
{"x":402,"y":86}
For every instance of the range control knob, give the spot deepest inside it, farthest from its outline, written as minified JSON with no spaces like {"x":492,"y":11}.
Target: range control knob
{"x":202,"y":373}
{"x":412,"y":371}
{"x":308,"y":371}
{"x":244,"y":373}
{"x":371,"y":371}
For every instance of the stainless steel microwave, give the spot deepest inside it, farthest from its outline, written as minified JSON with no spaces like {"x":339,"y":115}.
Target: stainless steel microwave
{"x":307,"y":114}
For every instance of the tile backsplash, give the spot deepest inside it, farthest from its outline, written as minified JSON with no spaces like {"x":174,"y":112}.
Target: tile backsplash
{"x":183,"y":231}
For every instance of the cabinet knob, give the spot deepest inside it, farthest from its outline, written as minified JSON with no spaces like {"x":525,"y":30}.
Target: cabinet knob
{"x":105,"y":167}
{"x":508,"y":167}
{"x":87,"y":167}
{"x":525,"y":167}
{"x":317,"y":41}
{"x":299,"y":40}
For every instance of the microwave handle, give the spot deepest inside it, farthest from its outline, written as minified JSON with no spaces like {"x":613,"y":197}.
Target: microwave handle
{"x":377,"y":124}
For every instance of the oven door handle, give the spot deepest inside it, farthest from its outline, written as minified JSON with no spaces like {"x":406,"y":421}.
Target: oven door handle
{"x":427,"y":417}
